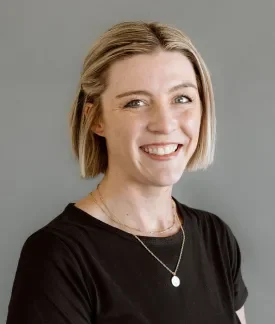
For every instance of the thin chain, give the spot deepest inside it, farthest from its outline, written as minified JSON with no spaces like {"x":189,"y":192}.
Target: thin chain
{"x":182,"y":245}
{"x":133,"y":228}
{"x":164,"y":265}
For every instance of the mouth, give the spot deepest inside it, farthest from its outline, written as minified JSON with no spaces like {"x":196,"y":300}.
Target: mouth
{"x":161,"y":150}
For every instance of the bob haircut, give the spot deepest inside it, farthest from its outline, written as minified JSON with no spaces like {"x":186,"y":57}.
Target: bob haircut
{"x":124,"y":40}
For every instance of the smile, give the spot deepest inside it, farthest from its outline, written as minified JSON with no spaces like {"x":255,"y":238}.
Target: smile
{"x":162,"y":151}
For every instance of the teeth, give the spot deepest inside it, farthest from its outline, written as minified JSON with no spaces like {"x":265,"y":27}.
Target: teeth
{"x":161,"y":150}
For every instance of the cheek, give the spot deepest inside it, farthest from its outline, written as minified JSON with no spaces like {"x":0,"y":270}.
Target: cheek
{"x":119,"y":134}
{"x":191,"y":124}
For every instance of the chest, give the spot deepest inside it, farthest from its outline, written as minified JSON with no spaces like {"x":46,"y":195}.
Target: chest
{"x":133,"y":287}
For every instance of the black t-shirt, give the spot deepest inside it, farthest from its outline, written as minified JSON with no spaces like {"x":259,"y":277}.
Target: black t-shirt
{"x":79,"y":270}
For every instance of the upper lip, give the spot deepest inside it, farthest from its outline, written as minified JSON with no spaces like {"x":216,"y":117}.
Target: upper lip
{"x":161,"y":144}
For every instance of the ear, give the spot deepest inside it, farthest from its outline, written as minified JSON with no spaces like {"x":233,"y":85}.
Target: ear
{"x":98,"y":126}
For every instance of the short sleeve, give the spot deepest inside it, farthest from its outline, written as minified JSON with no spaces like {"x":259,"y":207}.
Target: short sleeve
{"x":240,"y":291}
{"x":49,"y":286}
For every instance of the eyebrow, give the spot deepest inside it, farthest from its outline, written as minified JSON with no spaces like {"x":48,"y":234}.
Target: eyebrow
{"x":144,"y":92}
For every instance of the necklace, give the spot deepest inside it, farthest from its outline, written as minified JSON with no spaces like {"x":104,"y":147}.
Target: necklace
{"x":133,"y":228}
{"x":175,"y":279}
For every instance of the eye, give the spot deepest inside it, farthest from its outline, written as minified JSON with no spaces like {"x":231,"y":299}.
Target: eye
{"x":183,"y":99}
{"x":134,"y":104}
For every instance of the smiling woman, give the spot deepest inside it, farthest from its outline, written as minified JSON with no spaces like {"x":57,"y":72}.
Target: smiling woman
{"x":129,"y":252}
{"x":154,"y":118}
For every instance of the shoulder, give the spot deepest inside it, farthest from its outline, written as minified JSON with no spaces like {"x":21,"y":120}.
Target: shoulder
{"x":60,"y":236}
{"x":44,"y":247}
{"x":221,"y":247}
{"x":205,"y":220}
{"x":52,"y":251}
{"x":211,"y":229}
{"x":72,"y":234}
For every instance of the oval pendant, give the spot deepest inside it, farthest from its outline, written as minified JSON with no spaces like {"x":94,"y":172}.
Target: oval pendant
{"x":175,"y":281}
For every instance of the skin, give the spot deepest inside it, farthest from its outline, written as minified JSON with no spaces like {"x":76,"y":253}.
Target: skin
{"x":143,"y":186}
{"x":241,"y":315}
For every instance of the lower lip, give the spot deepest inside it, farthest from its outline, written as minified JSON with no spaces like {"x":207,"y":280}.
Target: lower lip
{"x":164,"y":157}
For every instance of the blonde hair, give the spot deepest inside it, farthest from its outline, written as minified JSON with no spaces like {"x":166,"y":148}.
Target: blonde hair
{"x":120,"y":41}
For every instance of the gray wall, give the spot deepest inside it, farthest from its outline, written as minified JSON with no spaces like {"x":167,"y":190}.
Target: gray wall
{"x":42,"y":47}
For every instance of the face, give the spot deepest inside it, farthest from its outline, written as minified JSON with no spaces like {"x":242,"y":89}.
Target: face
{"x":151,"y":117}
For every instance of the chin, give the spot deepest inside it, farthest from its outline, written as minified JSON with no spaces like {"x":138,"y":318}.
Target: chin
{"x":166,"y":179}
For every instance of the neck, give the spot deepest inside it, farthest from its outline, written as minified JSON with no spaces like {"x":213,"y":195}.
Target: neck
{"x":148,"y":208}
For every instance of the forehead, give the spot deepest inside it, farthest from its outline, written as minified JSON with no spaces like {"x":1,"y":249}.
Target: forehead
{"x":155,"y":72}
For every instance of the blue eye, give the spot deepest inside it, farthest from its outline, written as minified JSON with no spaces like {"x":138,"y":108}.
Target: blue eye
{"x":186,"y":99}
{"x":137,"y":103}
{"x":133,"y":104}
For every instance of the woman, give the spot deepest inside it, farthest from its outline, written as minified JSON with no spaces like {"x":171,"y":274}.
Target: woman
{"x":129,"y":252}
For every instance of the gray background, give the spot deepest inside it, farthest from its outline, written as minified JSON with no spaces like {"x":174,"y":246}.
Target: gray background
{"x":42,"y":47}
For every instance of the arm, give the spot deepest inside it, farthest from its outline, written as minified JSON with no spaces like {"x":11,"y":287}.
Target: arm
{"x":241,"y":315}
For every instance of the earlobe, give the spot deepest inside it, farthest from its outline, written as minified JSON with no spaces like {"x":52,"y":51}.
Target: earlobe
{"x":98,"y":129}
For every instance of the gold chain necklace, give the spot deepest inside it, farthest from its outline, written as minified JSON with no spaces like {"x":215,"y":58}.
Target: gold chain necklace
{"x":136,"y":229}
{"x":175,"y":279}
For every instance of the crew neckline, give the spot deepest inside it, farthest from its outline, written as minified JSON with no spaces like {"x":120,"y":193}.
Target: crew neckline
{"x":76,"y":214}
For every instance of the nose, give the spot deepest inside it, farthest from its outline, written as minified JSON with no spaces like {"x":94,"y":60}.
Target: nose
{"x":162,"y":120}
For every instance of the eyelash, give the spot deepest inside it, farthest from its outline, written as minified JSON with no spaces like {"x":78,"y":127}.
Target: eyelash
{"x":136,"y":100}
